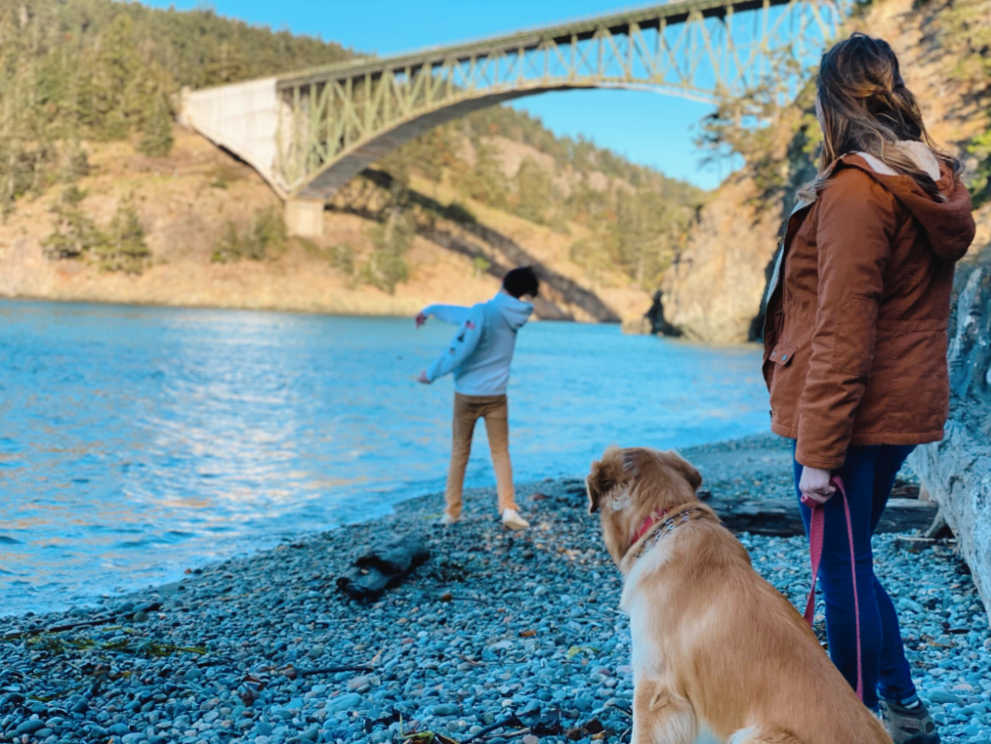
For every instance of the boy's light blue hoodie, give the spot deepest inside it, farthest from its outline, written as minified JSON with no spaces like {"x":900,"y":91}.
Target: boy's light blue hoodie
{"x":482,"y":349}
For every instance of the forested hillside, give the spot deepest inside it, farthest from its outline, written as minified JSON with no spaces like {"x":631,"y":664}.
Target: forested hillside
{"x":91,"y":150}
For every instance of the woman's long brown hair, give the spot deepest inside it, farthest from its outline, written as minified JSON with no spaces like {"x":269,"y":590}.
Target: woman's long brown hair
{"x":864,"y":106}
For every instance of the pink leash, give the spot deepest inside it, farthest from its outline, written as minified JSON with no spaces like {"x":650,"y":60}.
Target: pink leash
{"x":817,"y":527}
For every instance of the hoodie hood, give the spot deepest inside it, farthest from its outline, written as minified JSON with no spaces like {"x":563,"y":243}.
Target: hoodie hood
{"x":515,"y":312}
{"x":947,"y":222}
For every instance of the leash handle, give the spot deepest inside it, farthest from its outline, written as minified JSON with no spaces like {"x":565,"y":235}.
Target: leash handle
{"x":817,"y":528}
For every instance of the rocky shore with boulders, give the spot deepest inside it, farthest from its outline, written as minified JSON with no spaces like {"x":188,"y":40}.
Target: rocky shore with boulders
{"x":495,"y":637}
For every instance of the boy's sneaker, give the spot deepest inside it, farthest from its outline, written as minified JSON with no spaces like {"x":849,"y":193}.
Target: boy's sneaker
{"x":908,"y":723}
{"x":512,"y":520}
{"x":447,"y":519}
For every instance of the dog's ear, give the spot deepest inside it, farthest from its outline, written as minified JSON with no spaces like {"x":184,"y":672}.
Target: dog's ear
{"x":604,"y":476}
{"x":686,"y":469}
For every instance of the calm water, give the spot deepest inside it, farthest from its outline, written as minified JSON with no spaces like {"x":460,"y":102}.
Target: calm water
{"x":138,"y":442}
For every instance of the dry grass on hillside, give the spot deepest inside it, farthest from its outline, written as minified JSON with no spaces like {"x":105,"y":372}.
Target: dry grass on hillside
{"x":185,"y":202}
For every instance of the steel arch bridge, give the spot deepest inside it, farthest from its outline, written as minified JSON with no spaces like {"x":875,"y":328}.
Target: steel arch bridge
{"x":310,"y":132}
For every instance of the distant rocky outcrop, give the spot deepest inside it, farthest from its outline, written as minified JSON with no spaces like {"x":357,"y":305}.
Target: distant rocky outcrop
{"x":712,"y":292}
{"x":957,"y":471}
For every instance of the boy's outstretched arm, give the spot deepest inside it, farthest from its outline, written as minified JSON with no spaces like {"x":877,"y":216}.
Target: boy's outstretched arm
{"x":460,"y":348}
{"x":453,"y":314}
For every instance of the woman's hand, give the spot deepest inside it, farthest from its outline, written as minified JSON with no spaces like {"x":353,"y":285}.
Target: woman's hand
{"x":815,"y":486}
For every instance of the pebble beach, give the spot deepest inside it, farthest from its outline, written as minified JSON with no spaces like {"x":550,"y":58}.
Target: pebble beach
{"x":497,"y":637}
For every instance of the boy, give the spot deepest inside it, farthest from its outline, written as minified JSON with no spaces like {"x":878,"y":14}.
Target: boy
{"x":479,"y":356}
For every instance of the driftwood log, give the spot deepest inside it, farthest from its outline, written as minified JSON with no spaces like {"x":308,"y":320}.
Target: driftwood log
{"x":382,"y":567}
{"x":956,"y":472}
{"x":780,"y":517}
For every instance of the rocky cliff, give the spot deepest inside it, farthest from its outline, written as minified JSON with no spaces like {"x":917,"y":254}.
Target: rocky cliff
{"x":713,"y":292}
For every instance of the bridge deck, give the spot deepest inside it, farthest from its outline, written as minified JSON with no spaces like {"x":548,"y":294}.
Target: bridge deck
{"x":564,"y":33}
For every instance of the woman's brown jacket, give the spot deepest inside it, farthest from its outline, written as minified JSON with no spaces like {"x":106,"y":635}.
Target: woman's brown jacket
{"x":855,"y":325}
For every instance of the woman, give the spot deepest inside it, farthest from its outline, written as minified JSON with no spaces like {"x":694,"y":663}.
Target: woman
{"x":855,"y":340}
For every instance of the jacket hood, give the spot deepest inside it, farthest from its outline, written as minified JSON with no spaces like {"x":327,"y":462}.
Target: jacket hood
{"x":947,"y":222}
{"x":514,"y":311}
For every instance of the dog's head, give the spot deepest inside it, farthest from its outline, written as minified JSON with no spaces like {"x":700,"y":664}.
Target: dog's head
{"x":626,"y":485}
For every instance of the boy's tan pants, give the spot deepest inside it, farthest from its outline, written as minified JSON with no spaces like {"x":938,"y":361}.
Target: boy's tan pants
{"x":467,"y":410}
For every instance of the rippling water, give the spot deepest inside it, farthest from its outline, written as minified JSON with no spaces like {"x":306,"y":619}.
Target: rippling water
{"x":137,"y":442}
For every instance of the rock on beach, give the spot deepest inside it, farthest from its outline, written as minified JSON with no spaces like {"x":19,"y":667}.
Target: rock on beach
{"x":508,"y":636}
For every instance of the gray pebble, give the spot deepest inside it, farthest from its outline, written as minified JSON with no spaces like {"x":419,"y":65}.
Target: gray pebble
{"x":445,"y":709}
{"x":343,"y":702}
{"x":29,"y":726}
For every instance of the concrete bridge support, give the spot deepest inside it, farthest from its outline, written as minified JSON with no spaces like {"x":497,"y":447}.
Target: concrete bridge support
{"x":243,"y":118}
{"x":304,"y":217}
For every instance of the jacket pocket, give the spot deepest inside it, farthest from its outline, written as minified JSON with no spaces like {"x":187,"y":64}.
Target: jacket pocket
{"x":782,"y":354}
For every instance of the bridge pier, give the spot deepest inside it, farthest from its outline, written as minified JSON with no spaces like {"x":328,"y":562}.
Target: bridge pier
{"x":304,"y":217}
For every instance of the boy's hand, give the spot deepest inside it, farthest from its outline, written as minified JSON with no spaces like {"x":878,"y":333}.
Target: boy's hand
{"x":422,"y":378}
{"x":420,"y":319}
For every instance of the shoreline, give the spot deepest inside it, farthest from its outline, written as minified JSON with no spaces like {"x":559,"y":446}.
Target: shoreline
{"x":333,"y":313}
{"x":265,"y":649}
{"x":721,"y":465}
{"x":329,"y":311}
{"x":317,"y":465}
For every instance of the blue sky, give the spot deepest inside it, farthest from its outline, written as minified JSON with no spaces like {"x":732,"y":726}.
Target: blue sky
{"x":647,"y":128}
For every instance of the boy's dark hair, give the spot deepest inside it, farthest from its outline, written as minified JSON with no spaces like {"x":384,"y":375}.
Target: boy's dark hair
{"x":521,"y":281}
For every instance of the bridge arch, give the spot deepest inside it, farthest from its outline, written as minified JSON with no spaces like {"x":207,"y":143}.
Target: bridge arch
{"x":310,"y":132}
{"x":328,"y":177}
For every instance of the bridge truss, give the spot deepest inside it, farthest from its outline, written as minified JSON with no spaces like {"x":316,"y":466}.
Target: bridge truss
{"x":310,"y":132}
{"x":338,"y":119}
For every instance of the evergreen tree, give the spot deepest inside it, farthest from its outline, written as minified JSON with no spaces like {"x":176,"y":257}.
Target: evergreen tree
{"x":75,"y":234}
{"x":116,"y":68}
{"x":124,"y":248}
{"x":392,"y":238}
{"x":484,"y":180}
{"x":156,"y":131}
{"x":386,"y":267}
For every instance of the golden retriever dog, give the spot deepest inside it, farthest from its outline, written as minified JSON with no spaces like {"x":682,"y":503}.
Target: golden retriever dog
{"x":717,"y":651}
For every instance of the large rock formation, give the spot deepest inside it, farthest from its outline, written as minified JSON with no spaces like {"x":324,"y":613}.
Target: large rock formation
{"x":712,"y":293}
{"x":957,"y":471}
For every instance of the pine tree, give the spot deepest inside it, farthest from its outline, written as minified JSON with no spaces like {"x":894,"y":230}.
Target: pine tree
{"x":117,"y":64}
{"x":124,"y":247}
{"x":156,"y":131}
{"x":75,"y":234}
{"x":386,"y":267}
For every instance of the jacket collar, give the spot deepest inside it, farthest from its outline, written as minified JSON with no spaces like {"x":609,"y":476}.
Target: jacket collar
{"x":946,"y":221}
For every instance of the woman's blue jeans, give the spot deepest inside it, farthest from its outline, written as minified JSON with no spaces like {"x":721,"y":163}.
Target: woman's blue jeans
{"x":868,"y":474}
